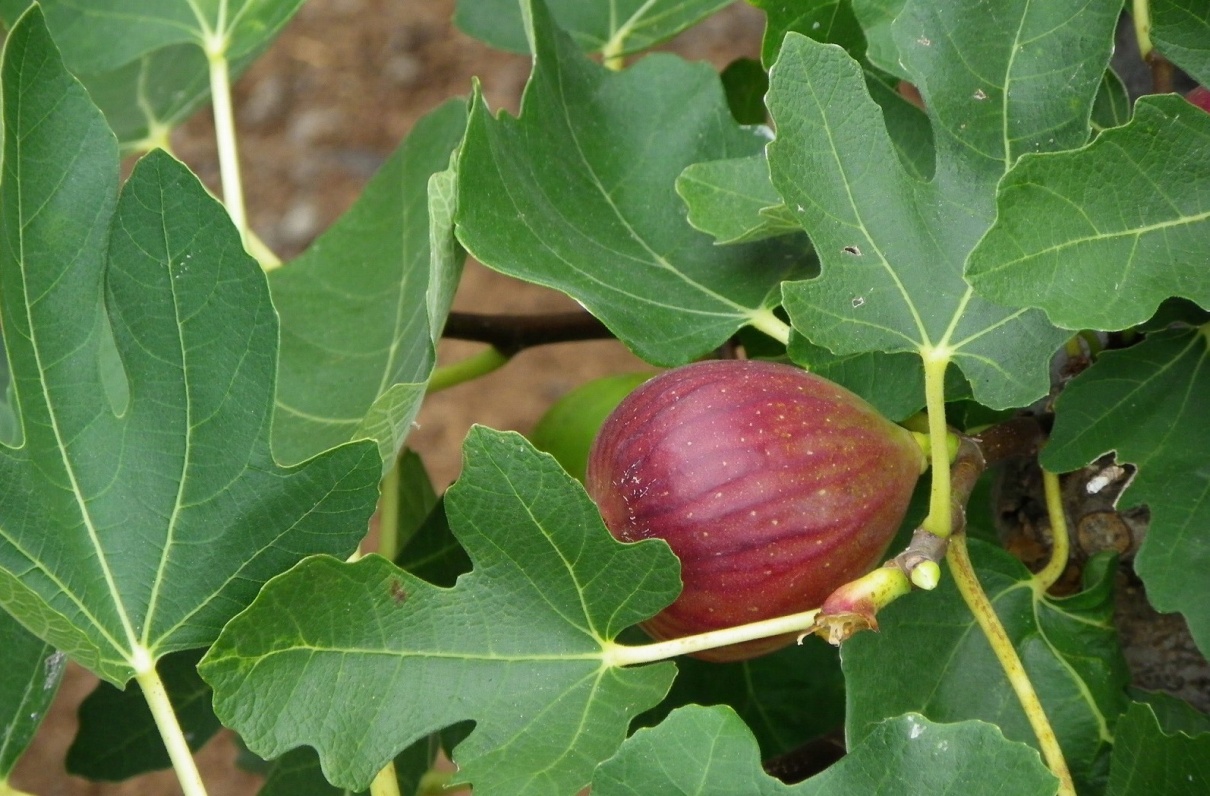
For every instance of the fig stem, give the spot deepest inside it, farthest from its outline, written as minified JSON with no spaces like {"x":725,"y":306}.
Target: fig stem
{"x":467,"y":369}
{"x":167,"y":723}
{"x":939,"y":521}
{"x":1140,"y":12}
{"x":617,"y":655}
{"x":764,"y":320}
{"x":224,"y":132}
{"x":976,"y":599}
{"x":385,"y":782}
{"x":1060,"y":537}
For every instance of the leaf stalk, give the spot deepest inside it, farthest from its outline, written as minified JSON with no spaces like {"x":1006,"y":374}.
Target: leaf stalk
{"x":764,"y":320}
{"x":467,"y":369}
{"x":225,"y":138}
{"x":1140,"y":12}
{"x":170,"y":729}
{"x":617,"y":655}
{"x":960,"y":566}
{"x":385,"y":782}
{"x":939,"y":520}
{"x":388,"y":515}
{"x":1060,"y":536}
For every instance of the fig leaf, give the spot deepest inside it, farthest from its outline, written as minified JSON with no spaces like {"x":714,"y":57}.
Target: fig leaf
{"x":893,"y":247}
{"x":717,"y":756}
{"x":578,"y":194}
{"x":516,"y":645}
{"x":1147,"y":403}
{"x":1068,"y":646}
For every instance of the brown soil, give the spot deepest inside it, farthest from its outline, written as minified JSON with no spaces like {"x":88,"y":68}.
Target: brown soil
{"x":317,"y":115}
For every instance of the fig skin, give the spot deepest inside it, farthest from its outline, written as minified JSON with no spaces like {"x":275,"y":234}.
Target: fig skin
{"x":772,"y":485}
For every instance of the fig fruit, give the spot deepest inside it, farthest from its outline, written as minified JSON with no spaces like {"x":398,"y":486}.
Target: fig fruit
{"x":568,"y":428}
{"x":772,"y":485}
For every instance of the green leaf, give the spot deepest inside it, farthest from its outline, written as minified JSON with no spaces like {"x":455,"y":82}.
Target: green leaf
{"x":138,"y":517}
{"x":297,"y":772}
{"x":356,"y":338}
{"x":145,"y":64}
{"x":709,"y":751}
{"x":517,"y":645}
{"x":118,"y":737}
{"x":417,"y":498}
{"x":830,"y":21}
{"x":1099,"y":259}
{"x":433,"y":553}
{"x":945,"y":669}
{"x":29,"y":680}
{"x":1112,"y":106}
{"x":787,"y":698}
{"x":876,"y":18}
{"x":893,"y":383}
{"x":1174,"y":714}
{"x":1180,"y":30}
{"x":1147,"y":403}
{"x":893,"y":248}
{"x":1148,"y":761}
{"x":578,"y":194}
{"x":614,"y":26}
{"x":734,"y":201}
{"x":101,"y":35}
{"x":745,"y":83}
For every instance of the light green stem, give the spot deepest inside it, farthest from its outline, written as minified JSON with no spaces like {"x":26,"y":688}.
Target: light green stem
{"x":267,"y":258}
{"x":385,"y":782}
{"x":468,"y":369}
{"x":626,"y":655}
{"x":1002,"y":647}
{"x":765,"y":321}
{"x":1061,"y":538}
{"x":388,"y":515}
{"x":224,"y":133}
{"x":170,"y":729}
{"x":938,"y":522}
{"x":1140,"y":12}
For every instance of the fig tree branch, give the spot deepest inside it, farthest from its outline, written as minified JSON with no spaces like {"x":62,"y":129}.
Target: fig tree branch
{"x":509,"y":334}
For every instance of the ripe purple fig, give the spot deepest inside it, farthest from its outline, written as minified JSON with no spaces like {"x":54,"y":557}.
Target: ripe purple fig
{"x":772,"y":485}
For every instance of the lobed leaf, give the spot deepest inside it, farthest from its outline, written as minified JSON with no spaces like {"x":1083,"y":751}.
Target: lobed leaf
{"x":1147,"y":403}
{"x":357,"y":340}
{"x":1180,"y":29}
{"x":517,"y":645}
{"x":830,"y":21}
{"x":945,"y":668}
{"x":145,"y":64}
{"x":716,"y":755}
{"x":612,"y":26}
{"x":143,"y":508}
{"x":893,"y":247}
{"x":733,"y":200}
{"x":29,"y":680}
{"x":1147,"y":760}
{"x":578,"y":194}
{"x":1099,"y":259}
{"x":785,"y":698}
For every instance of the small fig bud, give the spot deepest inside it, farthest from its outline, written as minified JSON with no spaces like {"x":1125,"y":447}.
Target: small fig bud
{"x":772,"y":485}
